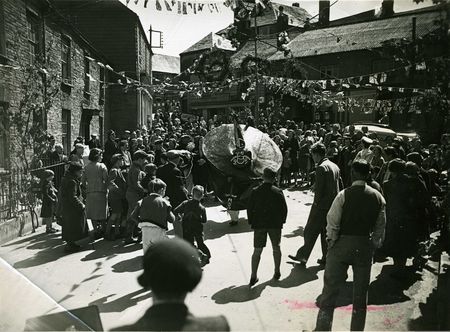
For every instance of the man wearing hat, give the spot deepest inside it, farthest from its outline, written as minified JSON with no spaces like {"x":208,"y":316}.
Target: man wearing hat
{"x":171,"y":271}
{"x":173,"y":177}
{"x":365,"y":153}
{"x":327,"y":184}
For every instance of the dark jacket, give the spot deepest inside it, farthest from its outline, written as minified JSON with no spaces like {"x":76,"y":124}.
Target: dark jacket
{"x":48,"y":199}
{"x":267,"y":207}
{"x":173,"y":178}
{"x":328,"y":183}
{"x":74,"y":226}
{"x":194,"y":215}
{"x":175,"y":317}
{"x":405,"y":210}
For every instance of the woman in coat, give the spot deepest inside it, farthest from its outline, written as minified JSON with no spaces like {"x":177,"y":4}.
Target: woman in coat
{"x":74,"y":227}
{"x":95,"y":182}
{"x":403,"y":227}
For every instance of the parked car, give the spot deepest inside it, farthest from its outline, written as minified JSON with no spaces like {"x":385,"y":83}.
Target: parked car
{"x":383,"y":131}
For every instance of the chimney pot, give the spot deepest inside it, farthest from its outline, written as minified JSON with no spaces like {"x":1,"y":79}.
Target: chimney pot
{"x":387,"y":8}
{"x":324,"y":12}
{"x":296,"y":4}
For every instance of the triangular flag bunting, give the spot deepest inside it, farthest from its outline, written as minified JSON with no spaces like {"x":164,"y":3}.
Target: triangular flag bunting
{"x":167,"y":6}
{"x":158,"y":5}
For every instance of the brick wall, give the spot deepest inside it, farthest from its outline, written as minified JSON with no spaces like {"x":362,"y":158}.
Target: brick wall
{"x":71,"y":97}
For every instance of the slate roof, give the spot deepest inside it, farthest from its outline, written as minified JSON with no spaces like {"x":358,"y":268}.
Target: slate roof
{"x":209,"y":41}
{"x":166,"y":64}
{"x":265,"y":51}
{"x":360,"y":36}
{"x":203,"y":44}
{"x":269,"y":17}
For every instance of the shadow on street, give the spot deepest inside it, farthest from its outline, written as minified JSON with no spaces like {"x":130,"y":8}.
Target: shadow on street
{"x":129,"y":265}
{"x":123,"y":302}
{"x":214,"y":230}
{"x":234,"y":294}
{"x":298,"y":232}
{"x":104,"y":249}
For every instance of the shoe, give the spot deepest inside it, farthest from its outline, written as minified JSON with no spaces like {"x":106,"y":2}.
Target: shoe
{"x":253,"y":281}
{"x":321,"y":261}
{"x":71,"y":248}
{"x":128,"y":240}
{"x":277,"y":276}
{"x":298,"y":259}
{"x":233,"y":223}
{"x":51,"y":231}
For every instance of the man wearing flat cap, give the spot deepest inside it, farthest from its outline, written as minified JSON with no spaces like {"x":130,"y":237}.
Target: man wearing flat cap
{"x":171,"y":271}
{"x":173,"y":177}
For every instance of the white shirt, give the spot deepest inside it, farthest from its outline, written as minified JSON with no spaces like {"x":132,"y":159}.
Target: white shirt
{"x":334,"y":217}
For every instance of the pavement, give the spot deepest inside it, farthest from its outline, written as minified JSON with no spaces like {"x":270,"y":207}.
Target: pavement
{"x":104,"y":274}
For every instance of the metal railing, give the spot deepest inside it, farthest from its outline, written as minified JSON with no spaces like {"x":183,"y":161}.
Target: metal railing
{"x":11,"y":191}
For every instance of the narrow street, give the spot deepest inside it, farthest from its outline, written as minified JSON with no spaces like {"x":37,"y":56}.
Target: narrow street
{"x":104,"y":274}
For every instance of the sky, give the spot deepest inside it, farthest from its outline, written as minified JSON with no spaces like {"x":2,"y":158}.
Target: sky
{"x":182,"y":31}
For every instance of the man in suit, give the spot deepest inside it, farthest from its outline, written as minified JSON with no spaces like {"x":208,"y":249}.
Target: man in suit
{"x":172,"y":270}
{"x":173,"y":178}
{"x":327,"y":184}
{"x":355,"y":228}
{"x":267,"y":212}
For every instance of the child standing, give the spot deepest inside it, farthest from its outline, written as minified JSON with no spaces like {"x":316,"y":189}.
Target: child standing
{"x":49,"y":197}
{"x":286,"y":169}
{"x":194,"y":216}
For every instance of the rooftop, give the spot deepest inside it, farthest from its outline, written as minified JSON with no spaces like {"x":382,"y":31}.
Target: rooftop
{"x":265,"y":50}
{"x":363,"y":35}
{"x":209,"y":41}
{"x":166,"y":64}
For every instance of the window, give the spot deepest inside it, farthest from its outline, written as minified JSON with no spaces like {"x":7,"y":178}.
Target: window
{"x":2,"y":33}
{"x":65,"y":130}
{"x":34,"y":37}
{"x":66,"y":59}
{"x":87,"y":79}
{"x":3,"y":141}
{"x":102,"y":86}
{"x":328,"y":72}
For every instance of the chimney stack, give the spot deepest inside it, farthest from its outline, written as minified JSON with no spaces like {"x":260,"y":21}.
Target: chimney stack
{"x":296,"y":4}
{"x":387,"y":8}
{"x":324,"y":13}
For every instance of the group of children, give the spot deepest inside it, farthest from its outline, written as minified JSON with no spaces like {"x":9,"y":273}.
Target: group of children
{"x":154,"y":212}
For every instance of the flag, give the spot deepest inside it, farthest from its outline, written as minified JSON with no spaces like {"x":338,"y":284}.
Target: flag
{"x":158,"y":5}
{"x":168,"y":7}
{"x":128,"y":1}
{"x":145,"y":3}
{"x":179,"y":7}
{"x":136,"y":2}
{"x":200,"y":7}
{"x":184,"y":8}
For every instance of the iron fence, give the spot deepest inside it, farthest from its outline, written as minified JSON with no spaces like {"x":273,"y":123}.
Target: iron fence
{"x":11,"y":191}
{"x":17,"y":189}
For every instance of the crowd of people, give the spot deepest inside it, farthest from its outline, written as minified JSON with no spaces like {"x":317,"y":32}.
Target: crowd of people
{"x":137,"y":183}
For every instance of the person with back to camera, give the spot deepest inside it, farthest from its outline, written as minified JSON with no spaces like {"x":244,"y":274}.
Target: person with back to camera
{"x":267,"y":212}
{"x":171,"y":271}
{"x":355,"y":228}
{"x":152,"y":213}
{"x":194,"y":216}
